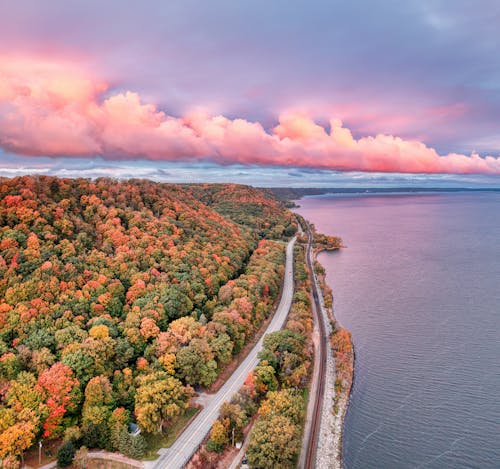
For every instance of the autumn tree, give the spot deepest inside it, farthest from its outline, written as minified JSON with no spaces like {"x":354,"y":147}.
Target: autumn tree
{"x":274,"y":443}
{"x":196,"y":364}
{"x":160,"y":397}
{"x":286,"y":402}
{"x":22,"y":394}
{"x":19,"y":436}
{"x":218,"y":436}
{"x":99,"y":401}
{"x":236,"y":417}
{"x":61,"y":392}
{"x":103,"y":283}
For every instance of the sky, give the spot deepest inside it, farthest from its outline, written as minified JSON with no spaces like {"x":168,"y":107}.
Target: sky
{"x":337,"y":92}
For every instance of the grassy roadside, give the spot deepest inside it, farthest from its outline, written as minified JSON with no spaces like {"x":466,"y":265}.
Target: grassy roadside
{"x":157,"y":441}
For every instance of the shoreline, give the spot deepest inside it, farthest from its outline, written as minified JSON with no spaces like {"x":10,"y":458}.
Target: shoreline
{"x":336,"y":404}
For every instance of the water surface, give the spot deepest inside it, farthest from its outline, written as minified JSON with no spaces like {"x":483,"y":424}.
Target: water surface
{"x":419,"y":287}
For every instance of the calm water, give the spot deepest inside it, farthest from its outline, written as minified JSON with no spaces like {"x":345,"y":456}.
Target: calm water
{"x":419,"y":287}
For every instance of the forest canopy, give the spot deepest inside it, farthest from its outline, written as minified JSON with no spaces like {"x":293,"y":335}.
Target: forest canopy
{"x":117,"y":298}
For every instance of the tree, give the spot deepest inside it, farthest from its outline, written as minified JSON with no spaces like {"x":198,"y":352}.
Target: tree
{"x":62,"y":393}
{"x":175,"y":301}
{"x":222,"y":347}
{"x":18,"y":437}
{"x":132,"y":446}
{"x":118,"y":423}
{"x":159,"y":398}
{"x":218,"y":437}
{"x":100,"y":331}
{"x":196,"y":363}
{"x":42,"y":360}
{"x":265,"y":378}
{"x":121,"y":440}
{"x":285,"y":351}
{"x":274,"y":443}
{"x":66,"y":454}
{"x":22,"y":393}
{"x":96,"y":435}
{"x":81,"y":362}
{"x":9,"y":365}
{"x":11,"y":462}
{"x":286,"y":402}
{"x":124,"y":388}
{"x":81,"y":457}
{"x":236,"y":417}
{"x":99,"y":400}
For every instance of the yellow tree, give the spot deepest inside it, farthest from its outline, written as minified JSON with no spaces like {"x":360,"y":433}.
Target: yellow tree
{"x":159,"y":398}
{"x":286,"y":403}
{"x":218,"y":436}
{"x":15,"y":439}
{"x":99,"y":400}
{"x":273,"y":444}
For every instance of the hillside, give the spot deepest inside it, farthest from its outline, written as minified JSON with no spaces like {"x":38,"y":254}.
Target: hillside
{"x":116,"y":298}
{"x":262,"y":211}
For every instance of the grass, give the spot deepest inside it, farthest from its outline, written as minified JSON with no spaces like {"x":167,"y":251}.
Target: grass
{"x":156,"y":441}
{"x":305,"y":394}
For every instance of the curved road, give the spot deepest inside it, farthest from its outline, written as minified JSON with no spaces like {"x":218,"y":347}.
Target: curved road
{"x":188,"y":442}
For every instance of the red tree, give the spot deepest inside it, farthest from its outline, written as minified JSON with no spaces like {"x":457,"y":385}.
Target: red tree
{"x":61,"y":393}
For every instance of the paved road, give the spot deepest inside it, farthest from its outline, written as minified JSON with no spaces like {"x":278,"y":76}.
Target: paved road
{"x":188,"y":442}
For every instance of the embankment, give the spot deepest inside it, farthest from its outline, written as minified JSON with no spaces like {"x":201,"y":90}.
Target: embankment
{"x":340,"y":374}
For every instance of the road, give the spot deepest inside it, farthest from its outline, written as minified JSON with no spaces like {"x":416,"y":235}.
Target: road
{"x":188,"y":442}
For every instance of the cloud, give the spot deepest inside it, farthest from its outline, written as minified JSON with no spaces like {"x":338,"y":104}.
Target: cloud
{"x":53,"y":109}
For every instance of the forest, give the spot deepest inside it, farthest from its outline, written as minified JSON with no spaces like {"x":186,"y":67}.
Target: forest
{"x":270,"y":407}
{"x":120,"y":299}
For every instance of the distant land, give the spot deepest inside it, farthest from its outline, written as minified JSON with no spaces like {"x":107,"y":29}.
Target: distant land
{"x":288,"y":194}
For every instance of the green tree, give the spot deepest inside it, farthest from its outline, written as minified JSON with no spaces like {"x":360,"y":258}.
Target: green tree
{"x":133,"y":446}
{"x":265,"y":378}
{"x":66,"y":454}
{"x":96,"y":435}
{"x":236,"y":417}
{"x":81,"y":363}
{"x":195,"y":363}
{"x":222,"y":347}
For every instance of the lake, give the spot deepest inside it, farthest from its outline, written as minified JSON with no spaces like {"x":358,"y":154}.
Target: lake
{"x":419,"y":288}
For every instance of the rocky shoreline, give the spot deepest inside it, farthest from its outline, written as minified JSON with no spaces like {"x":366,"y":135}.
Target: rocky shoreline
{"x":340,"y":374}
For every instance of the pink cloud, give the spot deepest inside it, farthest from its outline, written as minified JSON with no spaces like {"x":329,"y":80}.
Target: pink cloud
{"x":56,"y":110}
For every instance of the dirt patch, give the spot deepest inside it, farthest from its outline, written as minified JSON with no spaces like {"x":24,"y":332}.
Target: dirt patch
{"x":49,"y":453}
